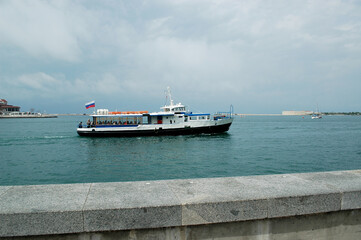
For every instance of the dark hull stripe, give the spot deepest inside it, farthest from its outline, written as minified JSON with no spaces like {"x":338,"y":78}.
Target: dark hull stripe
{"x":158,"y":132}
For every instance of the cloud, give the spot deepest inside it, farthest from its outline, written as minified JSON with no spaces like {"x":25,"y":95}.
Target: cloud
{"x":36,"y":85}
{"x":187,"y":63}
{"x":39,"y":82}
{"x":47,"y":86}
{"x":250,"y":51}
{"x":43,"y":28}
{"x":290,"y":22}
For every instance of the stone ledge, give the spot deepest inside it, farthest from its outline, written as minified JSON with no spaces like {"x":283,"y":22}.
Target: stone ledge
{"x":93,"y":207}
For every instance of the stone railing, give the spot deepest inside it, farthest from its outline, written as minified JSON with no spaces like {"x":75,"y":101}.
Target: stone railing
{"x":183,"y":209}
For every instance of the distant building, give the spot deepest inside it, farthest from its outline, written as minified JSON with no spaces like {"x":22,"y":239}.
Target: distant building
{"x":297,"y":113}
{"x":6,"y":109}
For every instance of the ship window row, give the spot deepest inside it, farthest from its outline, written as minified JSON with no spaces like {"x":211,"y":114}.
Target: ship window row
{"x":179,"y":109}
{"x":199,"y":117}
{"x":176,"y":109}
{"x":99,"y":121}
{"x":12,"y":109}
{"x":119,"y":121}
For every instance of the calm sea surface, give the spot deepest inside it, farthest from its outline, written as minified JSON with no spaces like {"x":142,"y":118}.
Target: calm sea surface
{"x":47,"y":151}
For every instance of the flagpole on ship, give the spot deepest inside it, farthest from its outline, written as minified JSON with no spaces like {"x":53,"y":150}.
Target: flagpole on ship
{"x":90,"y":105}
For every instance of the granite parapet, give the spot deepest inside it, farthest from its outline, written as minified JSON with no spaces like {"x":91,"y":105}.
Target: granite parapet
{"x":101,"y":207}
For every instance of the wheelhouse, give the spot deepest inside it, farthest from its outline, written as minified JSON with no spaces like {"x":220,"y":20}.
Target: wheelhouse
{"x":178,"y":108}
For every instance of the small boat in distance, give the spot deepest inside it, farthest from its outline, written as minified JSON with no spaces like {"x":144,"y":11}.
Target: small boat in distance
{"x":173,"y":119}
{"x":316,"y":115}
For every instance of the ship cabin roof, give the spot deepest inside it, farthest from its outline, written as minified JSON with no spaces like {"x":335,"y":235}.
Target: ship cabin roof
{"x":117,"y":115}
{"x":174,"y":108}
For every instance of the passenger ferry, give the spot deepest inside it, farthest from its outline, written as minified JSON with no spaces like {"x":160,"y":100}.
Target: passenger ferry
{"x":173,"y":119}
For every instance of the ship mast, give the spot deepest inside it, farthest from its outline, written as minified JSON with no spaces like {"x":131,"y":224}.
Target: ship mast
{"x":170,"y":96}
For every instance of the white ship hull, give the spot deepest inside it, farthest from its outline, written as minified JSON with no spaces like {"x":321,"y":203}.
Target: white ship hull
{"x":209,"y":126}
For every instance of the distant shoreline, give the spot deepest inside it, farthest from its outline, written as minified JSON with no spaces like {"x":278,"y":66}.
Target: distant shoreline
{"x":258,"y":114}
{"x":30,"y":116}
{"x":71,"y":114}
{"x":324,"y":113}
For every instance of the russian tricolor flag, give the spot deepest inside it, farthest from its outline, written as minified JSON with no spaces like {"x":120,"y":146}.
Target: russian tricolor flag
{"x":90,"y":104}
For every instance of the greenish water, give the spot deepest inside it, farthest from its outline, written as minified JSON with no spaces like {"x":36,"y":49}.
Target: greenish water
{"x":47,"y":151}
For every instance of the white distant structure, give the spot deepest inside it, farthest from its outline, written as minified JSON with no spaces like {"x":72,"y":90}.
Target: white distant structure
{"x":296,"y":113}
{"x":7,"y":109}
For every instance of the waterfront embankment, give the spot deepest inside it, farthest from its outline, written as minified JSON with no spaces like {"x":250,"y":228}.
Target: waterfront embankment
{"x":29,"y":116}
{"x":323,"y":205}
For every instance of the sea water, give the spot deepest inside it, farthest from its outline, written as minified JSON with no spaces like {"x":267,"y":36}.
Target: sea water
{"x":49,"y":151}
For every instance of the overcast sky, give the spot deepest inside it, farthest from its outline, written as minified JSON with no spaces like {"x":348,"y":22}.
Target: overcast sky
{"x":261,"y":56}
